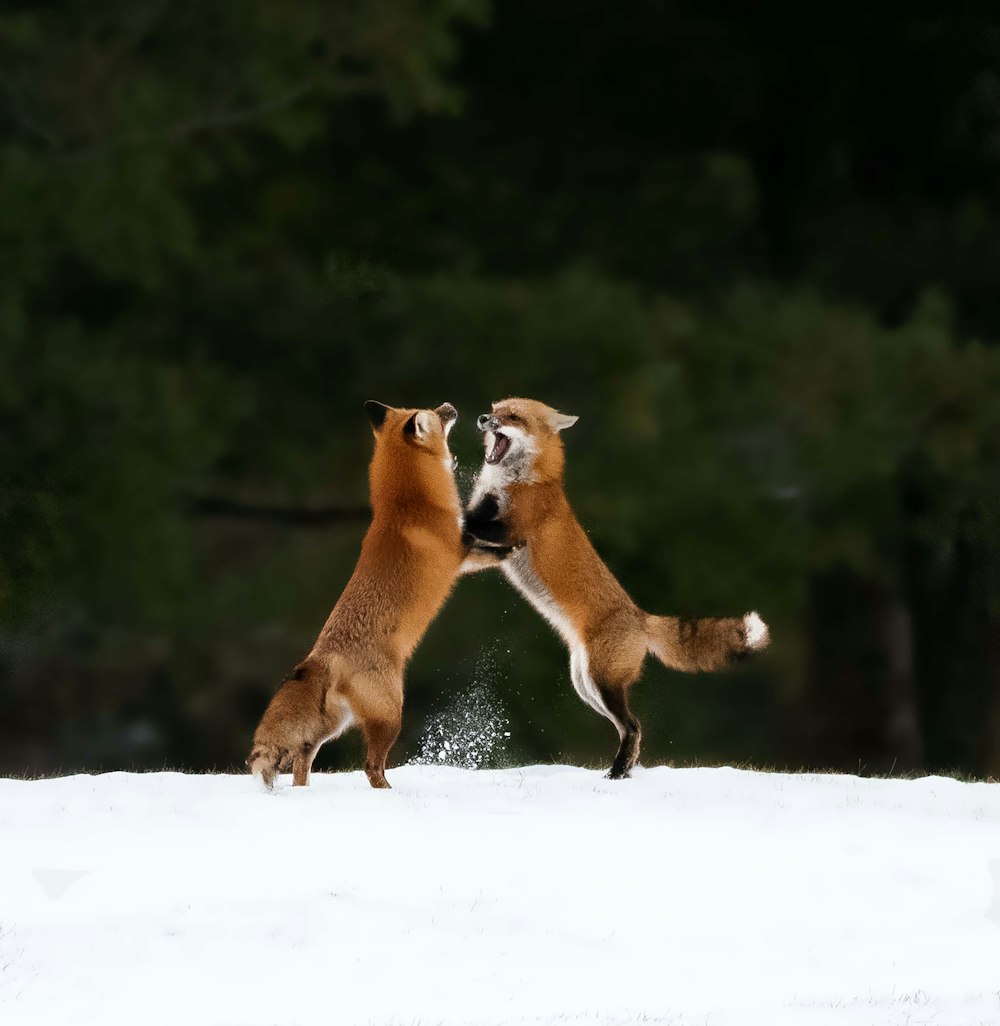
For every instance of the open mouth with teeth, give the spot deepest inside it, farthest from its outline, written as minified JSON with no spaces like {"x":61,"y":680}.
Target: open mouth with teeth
{"x":501,"y":443}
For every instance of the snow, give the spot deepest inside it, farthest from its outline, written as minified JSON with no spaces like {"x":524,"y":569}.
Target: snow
{"x":473,"y":730}
{"x":536,"y":895}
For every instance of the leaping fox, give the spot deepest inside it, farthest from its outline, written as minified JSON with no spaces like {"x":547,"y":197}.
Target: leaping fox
{"x":519,"y":503}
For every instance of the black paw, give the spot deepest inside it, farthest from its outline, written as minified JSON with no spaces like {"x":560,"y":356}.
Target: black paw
{"x":487,"y":509}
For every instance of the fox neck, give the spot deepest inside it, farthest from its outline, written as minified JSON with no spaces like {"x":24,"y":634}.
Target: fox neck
{"x":548,"y":465}
{"x":421,"y":482}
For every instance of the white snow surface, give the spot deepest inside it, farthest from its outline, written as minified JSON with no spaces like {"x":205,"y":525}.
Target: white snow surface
{"x":536,"y":895}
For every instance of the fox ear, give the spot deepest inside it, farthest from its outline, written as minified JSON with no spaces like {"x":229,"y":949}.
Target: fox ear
{"x":561,"y":421}
{"x":419,"y":425}
{"x":377,"y":413}
{"x":448,"y":415}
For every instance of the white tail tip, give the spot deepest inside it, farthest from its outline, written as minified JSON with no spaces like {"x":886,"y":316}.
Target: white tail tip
{"x":757,"y":633}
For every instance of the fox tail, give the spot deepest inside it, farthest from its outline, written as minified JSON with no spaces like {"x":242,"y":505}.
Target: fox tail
{"x":708,"y":643}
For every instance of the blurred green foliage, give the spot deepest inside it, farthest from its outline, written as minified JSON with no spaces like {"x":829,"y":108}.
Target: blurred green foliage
{"x":754,"y":253}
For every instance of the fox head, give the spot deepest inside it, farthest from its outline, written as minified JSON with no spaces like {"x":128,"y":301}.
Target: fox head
{"x":411,"y":456}
{"x":522,"y":439}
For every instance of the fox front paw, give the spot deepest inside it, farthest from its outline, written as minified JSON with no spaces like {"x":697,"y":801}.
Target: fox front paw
{"x":499,"y":550}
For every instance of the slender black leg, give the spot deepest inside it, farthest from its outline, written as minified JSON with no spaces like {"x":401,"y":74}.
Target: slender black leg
{"x":615,"y":701}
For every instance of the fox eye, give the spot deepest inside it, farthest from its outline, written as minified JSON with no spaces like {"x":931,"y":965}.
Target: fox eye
{"x":515,"y":419}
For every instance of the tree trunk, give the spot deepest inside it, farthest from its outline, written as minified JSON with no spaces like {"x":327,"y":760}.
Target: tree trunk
{"x":903,"y":738}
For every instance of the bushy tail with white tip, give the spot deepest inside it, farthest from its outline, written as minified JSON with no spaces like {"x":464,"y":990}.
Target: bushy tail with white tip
{"x":705,"y":643}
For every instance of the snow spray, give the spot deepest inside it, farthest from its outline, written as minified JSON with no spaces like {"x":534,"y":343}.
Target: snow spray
{"x":473,"y":730}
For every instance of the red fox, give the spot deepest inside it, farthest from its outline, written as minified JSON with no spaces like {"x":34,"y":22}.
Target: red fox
{"x":519,"y":502}
{"x":410,"y":557}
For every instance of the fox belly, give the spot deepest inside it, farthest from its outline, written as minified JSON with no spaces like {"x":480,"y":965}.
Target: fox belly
{"x":519,"y":571}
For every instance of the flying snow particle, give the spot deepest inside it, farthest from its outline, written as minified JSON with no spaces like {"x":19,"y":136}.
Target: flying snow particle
{"x":473,"y":730}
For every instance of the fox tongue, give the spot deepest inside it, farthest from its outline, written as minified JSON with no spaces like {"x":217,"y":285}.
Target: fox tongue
{"x":500,"y":446}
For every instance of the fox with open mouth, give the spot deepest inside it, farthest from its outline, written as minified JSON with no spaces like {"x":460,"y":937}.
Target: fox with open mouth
{"x":519,"y":504}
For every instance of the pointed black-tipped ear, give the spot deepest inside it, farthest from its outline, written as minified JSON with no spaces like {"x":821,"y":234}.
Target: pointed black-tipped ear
{"x":410,"y":427}
{"x":377,"y":413}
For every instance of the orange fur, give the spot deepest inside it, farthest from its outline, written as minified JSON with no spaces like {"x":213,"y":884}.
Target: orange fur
{"x":409,"y":560}
{"x":520,"y":500}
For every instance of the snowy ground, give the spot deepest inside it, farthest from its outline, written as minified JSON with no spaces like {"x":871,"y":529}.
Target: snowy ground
{"x":539,"y":895}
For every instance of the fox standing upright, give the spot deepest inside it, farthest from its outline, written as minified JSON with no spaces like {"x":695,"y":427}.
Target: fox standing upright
{"x":409,"y":560}
{"x":519,"y":501}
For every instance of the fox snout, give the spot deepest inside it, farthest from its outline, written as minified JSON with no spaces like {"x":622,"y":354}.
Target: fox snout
{"x":487,"y":422}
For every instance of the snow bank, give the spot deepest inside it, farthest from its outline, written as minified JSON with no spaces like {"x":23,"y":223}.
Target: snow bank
{"x":538,"y":895}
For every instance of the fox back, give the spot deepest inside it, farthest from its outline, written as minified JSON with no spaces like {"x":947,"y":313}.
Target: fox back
{"x":412,"y":550}
{"x":409,"y":560}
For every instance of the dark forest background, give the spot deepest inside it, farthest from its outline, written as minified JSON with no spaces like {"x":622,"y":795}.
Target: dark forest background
{"x":755,"y":247}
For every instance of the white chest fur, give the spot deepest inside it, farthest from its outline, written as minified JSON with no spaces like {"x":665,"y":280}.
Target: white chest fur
{"x":493,"y":479}
{"x":521,"y":574}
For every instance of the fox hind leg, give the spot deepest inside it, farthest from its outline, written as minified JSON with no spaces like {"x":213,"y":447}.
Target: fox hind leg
{"x":302,"y":762}
{"x":615,"y":700}
{"x":380,"y":736}
{"x":337,"y":717}
{"x":610,"y":700}
{"x":263,"y":762}
{"x":377,"y":705}
{"x":303,"y":714}
{"x":267,"y":761}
